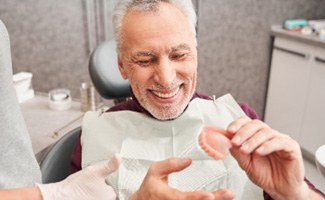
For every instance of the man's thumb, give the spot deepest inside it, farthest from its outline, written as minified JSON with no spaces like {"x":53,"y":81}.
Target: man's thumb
{"x":171,"y":165}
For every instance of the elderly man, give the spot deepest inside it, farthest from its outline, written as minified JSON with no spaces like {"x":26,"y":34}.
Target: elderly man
{"x":156,"y":46}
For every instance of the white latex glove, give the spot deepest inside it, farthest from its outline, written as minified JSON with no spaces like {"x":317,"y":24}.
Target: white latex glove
{"x":86,"y":184}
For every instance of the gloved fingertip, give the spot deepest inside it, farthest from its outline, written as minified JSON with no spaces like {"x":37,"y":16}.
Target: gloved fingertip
{"x":115,"y":161}
{"x":113,"y":164}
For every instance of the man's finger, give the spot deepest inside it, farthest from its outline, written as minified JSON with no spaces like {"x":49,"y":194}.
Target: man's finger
{"x":234,"y":126}
{"x":282,"y":143}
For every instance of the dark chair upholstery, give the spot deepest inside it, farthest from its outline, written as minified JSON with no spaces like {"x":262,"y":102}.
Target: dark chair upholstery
{"x":56,"y":161}
{"x":104,"y":72}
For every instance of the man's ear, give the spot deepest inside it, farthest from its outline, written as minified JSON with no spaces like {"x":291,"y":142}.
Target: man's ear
{"x":121,"y":68}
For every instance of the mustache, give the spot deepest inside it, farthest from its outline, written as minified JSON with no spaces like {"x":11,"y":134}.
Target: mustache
{"x":175,"y":84}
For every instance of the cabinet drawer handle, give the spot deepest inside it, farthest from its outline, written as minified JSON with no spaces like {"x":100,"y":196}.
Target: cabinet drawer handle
{"x":318,"y":59}
{"x":306,"y":56}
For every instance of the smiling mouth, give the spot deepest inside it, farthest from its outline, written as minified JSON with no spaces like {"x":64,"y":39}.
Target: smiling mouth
{"x":166,"y":94}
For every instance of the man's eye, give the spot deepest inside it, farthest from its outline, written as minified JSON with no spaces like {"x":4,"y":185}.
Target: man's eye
{"x":178,"y":56}
{"x":143,"y":62}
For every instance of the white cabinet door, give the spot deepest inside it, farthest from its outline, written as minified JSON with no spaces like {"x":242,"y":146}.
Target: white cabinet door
{"x":287,"y":86}
{"x":313,"y":126}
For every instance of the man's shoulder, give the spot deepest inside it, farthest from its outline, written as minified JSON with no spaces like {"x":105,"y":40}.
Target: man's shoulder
{"x":250,"y":112}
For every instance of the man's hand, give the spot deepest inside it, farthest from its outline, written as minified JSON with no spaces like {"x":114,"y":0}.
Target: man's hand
{"x":272,"y":160}
{"x":155,"y":184}
{"x":86,"y":184}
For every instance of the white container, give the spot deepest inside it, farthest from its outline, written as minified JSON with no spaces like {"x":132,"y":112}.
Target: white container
{"x":59,"y":99}
{"x":317,"y":24}
{"x":23,"y":85}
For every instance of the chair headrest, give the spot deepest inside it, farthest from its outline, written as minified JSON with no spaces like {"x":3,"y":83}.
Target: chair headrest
{"x":105,"y":74}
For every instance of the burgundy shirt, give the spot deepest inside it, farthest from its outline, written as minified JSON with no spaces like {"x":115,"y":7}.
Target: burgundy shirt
{"x":134,"y":105}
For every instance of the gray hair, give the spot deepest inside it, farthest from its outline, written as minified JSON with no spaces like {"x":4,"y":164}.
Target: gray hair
{"x":124,"y":6}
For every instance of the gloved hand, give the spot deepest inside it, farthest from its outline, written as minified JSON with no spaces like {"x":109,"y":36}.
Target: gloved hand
{"x":88,"y":183}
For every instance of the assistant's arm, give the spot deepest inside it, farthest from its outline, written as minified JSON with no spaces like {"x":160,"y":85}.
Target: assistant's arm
{"x":32,"y":193}
{"x":88,"y":183}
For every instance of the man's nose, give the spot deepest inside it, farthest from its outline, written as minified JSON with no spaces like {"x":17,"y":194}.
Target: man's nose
{"x":165,"y":73}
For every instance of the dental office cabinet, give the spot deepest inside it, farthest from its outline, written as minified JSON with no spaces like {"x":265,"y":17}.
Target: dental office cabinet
{"x":295,"y":102}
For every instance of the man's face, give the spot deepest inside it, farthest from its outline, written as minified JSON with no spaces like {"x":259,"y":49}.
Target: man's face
{"x":159,"y":58}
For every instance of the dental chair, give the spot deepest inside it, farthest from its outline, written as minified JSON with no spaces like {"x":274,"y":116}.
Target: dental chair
{"x":55,"y":162}
{"x":104,"y":72}
{"x":108,"y":82}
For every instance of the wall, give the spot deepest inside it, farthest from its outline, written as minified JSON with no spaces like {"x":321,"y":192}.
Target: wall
{"x":235,"y":44}
{"x":52,"y":39}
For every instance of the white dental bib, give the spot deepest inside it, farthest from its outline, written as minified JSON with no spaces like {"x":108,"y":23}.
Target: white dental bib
{"x":141,"y":140}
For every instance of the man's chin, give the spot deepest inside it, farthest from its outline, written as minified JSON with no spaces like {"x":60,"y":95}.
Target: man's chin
{"x":166,"y":112}
{"x":165,"y":117}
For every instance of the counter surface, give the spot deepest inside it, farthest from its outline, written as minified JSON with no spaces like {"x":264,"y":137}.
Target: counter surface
{"x":277,"y":30}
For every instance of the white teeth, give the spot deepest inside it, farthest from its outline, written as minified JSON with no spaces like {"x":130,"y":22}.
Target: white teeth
{"x":166,"y":95}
